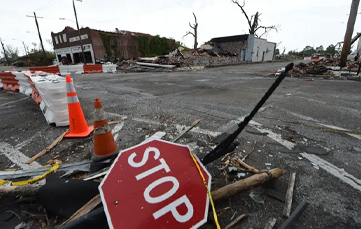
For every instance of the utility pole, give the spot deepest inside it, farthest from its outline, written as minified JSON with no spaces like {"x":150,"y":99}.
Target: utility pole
{"x":77,"y":25}
{"x":6,"y":56}
{"x":37,"y":25}
{"x":349,"y":31}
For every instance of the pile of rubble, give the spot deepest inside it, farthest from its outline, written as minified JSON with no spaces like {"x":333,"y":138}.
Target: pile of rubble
{"x":326,"y":68}
{"x":178,"y":60}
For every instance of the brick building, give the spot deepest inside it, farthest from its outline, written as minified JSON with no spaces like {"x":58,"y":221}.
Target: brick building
{"x":247,"y":46}
{"x":106,"y":46}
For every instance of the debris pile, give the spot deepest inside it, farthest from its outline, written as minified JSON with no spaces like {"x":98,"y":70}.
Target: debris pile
{"x":179,"y":60}
{"x":326,"y":68}
{"x":133,"y":182}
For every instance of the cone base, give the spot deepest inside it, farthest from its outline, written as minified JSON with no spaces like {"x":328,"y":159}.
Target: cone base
{"x":80,"y":135}
{"x":96,"y":158}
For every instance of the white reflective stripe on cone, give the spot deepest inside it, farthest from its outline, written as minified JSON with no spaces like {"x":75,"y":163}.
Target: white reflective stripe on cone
{"x":73,"y":99}
{"x":70,"y":87}
{"x":102,"y":129}
{"x":99,"y":114}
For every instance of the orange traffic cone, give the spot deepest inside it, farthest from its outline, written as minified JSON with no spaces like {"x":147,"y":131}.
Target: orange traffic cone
{"x":104,"y":145}
{"x":77,"y":122}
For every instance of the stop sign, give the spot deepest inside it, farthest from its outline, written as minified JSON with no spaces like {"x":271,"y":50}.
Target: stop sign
{"x":155,"y":185}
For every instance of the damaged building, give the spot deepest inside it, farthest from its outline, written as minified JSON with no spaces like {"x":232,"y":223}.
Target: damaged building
{"x":107,"y":46}
{"x":247,"y":47}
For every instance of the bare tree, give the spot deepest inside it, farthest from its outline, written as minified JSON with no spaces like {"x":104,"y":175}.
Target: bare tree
{"x":349,"y":30}
{"x":195,"y":32}
{"x":253,"y":22}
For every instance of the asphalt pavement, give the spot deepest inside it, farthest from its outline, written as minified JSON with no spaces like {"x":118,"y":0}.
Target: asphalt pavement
{"x":310,"y":126}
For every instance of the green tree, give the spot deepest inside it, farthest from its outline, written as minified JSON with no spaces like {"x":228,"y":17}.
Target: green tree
{"x":308,"y":50}
{"x":320,"y":49}
{"x":12,"y":53}
{"x":331,"y":50}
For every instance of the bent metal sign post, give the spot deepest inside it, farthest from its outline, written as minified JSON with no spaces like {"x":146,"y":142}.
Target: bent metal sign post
{"x":155,"y":185}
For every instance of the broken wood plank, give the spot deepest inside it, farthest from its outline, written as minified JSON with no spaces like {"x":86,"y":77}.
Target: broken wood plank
{"x":234,"y":222}
{"x":247,"y":183}
{"x":89,"y":206}
{"x":270,"y":223}
{"x":289,"y":196}
{"x":48,"y":148}
{"x":155,"y":65}
{"x":186,"y":131}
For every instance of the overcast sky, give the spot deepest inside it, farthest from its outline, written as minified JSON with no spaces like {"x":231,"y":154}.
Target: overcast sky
{"x":306,"y":22}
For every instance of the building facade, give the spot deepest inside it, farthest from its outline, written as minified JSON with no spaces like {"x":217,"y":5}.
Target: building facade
{"x":102,"y":46}
{"x":247,"y":46}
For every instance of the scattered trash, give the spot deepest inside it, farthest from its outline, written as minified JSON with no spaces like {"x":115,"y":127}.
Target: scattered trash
{"x":268,"y":165}
{"x":232,"y":169}
{"x":256,"y":198}
{"x":241,"y":175}
{"x":325,"y":68}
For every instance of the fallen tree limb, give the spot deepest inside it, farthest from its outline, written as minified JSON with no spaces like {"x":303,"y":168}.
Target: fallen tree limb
{"x":247,"y":183}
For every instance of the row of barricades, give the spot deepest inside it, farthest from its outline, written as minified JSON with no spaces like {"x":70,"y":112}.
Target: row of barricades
{"x":59,"y":103}
{"x":47,"y":90}
{"x":8,"y":81}
{"x":78,"y":69}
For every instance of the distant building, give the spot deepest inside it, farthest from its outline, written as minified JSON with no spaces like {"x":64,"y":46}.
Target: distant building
{"x":107,"y":46}
{"x":247,"y":46}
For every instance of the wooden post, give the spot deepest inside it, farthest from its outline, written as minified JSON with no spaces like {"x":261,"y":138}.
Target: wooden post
{"x":349,"y":31}
{"x":289,"y":195}
{"x":247,"y":183}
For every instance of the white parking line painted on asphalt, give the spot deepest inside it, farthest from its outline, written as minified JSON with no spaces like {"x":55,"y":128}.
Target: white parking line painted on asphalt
{"x":15,"y":101}
{"x":276,"y":137}
{"x":27,"y":141}
{"x":157,"y":135}
{"x":334,"y":170}
{"x":147,"y":121}
{"x":123,"y":117}
{"x":181,"y":127}
{"x":198,"y":130}
{"x":17,"y":157}
{"x":342,"y":129}
{"x":116,"y":129}
{"x":325,"y":125}
{"x":301,"y":116}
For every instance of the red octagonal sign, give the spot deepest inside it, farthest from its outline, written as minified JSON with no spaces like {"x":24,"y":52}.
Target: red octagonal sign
{"x":155,"y":185}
